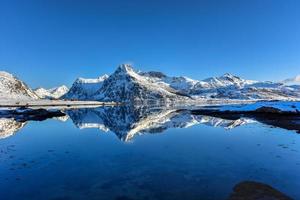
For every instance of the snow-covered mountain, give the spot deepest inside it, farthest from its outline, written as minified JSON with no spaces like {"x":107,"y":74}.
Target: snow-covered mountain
{"x":13,"y":88}
{"x":129,"y":85}
{"x":53,"y":93}
{"x":85,"y":89}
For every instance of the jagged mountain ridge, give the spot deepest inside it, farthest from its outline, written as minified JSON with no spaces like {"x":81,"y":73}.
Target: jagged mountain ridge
{"x":53,"y":93}
{"x":128,"y":85}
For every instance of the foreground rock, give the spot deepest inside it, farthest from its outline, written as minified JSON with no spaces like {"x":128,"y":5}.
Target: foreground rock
{"x":26,"y":114}
{"x":250,"y":190}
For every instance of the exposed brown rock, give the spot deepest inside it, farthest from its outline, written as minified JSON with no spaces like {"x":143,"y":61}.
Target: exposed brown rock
{"x":250,"y":190}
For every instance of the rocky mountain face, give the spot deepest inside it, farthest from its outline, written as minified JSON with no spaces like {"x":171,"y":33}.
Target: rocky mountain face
{"x":12,"y":88}
{"x":53,"y":93}
{"x":129,"y":85}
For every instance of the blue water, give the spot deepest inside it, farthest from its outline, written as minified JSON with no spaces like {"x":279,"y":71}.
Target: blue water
{"x":56,"y":160}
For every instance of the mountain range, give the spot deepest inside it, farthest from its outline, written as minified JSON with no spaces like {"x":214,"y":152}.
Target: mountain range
{"x":129,"y":85}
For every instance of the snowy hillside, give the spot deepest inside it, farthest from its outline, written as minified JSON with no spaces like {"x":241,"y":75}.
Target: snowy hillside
{"x":53,"y":93}
{"x":13,"y":88}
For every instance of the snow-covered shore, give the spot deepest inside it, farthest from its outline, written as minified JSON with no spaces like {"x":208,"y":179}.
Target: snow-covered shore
{"x":44,"y":103}
{"x":292,"y":107}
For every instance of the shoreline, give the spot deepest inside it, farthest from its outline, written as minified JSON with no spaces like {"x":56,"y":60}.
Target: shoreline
{"x":54,"y":103}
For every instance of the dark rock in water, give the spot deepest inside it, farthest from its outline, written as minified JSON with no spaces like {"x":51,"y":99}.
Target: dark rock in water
{"x":250,"y":190}
{"x":26,"y":114}
{"x":265,"y":109}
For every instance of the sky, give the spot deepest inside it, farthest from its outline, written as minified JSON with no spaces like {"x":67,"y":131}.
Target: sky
{"x":52,"y":42}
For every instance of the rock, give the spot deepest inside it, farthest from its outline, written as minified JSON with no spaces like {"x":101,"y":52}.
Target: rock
{"x":250,"y":190}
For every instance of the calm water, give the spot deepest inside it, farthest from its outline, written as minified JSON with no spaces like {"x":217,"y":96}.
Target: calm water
{"x":116,"y":153}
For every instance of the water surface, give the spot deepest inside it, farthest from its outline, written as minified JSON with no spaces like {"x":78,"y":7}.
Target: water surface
{"x":125,"y":153}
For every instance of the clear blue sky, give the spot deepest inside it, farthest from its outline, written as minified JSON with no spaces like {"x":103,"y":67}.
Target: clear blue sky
{"x":48,"y":43}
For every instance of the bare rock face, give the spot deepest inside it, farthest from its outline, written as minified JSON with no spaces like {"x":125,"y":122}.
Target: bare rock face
{"x":250,"y":190}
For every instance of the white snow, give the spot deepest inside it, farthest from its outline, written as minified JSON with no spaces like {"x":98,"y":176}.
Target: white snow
{"x":85,"y":89}
{"x":283,"y":106}
{"x":52,"y":93}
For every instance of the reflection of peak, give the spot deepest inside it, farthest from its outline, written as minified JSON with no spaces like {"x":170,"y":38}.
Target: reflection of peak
{"x":9,"y":126}
{"x":225,"y":123}
{"x":62,"y":118}
{"x":12,"y":120}
{"x":128,"y":121}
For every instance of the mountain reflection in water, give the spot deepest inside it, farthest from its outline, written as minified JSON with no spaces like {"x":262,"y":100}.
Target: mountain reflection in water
{"x":129,"y":121}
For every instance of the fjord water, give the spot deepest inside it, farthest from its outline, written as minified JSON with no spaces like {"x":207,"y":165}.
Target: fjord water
{"x":167,"y":156}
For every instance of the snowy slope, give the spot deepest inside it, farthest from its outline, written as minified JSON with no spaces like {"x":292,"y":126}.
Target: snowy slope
{"x":53,"y":93}
{"x":13,"y":88}
{"x":84,"y":89}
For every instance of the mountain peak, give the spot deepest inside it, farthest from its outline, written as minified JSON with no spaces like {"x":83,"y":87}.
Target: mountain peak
{"x":125,"y":68}
{"x":228,"y":75}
